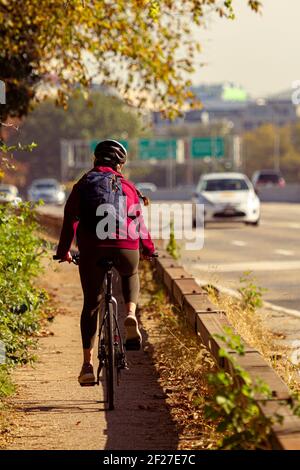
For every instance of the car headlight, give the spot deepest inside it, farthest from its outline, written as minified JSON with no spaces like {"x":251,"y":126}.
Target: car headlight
{"x":252,"y":201}
{"x":204,"y":201}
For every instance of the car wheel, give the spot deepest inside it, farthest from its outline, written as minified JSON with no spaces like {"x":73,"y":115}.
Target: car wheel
{"x":254,"y":224}
{"x":194,"y":223}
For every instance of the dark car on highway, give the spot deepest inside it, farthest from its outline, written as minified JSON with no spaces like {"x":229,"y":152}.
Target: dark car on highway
{"x":269,"y":178}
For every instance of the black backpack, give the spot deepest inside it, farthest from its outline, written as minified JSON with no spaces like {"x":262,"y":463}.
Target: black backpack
{"x":97,"y":188}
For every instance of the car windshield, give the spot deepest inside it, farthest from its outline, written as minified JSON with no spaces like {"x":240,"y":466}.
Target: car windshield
{"x":268,"y":177}
{"x":230,"y":184}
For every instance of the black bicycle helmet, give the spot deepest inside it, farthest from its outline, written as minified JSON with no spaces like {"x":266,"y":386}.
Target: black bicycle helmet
{"x":110,"y":152}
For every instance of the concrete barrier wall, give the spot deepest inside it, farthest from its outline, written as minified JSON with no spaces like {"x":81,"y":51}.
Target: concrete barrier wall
{"x":51,"y":223}
{"x":171,"y":195}
{"x":290,"y":193}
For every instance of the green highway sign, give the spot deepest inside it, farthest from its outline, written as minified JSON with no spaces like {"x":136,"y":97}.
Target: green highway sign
{"x":93,"y":143}
{"x":160,"y":149}
{"x":202,"y":147}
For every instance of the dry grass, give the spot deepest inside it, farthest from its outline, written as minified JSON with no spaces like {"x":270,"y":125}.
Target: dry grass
{"x":250,"y":326}
{"x":182,"y":363}
{"x":8,"y":422}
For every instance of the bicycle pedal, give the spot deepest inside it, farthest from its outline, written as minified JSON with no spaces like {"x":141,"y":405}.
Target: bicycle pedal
{"x":124,"y":366}
{"x":133,"y":345}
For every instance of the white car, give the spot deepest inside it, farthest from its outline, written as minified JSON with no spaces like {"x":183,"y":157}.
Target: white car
{"x":47,"y":189}
{"x":9,"y":193}
{"x":146,"y":187}
{"x":226,"y":197}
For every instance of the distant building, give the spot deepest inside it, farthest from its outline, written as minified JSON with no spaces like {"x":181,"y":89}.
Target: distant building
{"x":275,"y":111}
{"x":227,"y":102}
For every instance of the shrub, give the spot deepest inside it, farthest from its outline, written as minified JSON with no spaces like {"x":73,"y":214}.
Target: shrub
{"x":232,"y":403}
{"x":252,"y":294}
{"x":172,"y":246}
{"x":20,"y":300}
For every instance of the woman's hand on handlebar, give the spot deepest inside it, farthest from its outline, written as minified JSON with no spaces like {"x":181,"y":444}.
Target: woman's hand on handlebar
{"x":148,"y":257}
{"x":68,"y":258}
{"x":71,"y":257}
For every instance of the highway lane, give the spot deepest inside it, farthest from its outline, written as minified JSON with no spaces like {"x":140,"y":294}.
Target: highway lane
{"x":271,"y":252}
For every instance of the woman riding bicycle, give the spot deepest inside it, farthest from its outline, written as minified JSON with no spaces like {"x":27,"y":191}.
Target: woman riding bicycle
{"x":103,"y":184}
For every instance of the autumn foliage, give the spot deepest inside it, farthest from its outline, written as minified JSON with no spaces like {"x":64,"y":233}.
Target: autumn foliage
{"x":142,"y":48}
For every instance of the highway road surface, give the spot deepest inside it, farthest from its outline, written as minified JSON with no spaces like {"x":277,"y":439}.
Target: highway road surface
{"x":271,"y":252}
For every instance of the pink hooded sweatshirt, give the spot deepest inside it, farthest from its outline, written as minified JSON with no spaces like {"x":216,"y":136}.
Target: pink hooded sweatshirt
{"x":71,"y":224}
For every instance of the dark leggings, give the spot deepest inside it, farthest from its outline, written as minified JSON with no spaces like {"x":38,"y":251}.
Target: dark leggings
{"x":92,"y":276}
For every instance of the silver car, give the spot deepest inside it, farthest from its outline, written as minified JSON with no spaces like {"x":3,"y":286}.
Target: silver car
{"x":9,"y":194}
{"x":146,"y":187}
{"x":226,"y":197}
{"x":48,"y":190}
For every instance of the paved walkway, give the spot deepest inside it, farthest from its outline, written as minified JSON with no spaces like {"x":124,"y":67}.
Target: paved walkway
{"x":54,"y":412}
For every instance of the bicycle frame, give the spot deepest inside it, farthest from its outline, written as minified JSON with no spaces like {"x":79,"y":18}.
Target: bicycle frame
{"x":109,"y":299}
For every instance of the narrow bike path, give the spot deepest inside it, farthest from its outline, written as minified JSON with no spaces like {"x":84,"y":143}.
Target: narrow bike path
{"x":54,"y":412}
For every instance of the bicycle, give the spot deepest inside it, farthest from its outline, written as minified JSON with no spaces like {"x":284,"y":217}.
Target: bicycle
{"x":111,"y":352}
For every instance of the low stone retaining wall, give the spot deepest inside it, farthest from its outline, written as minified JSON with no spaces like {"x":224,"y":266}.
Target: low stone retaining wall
{"x":207,"y":321}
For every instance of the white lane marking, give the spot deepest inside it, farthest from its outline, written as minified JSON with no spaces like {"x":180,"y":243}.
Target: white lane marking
{"x":284,"y":252}
{"x":278,"y":308}
{"x":238,"y":243}
{"x":247,"y":266}
{"x":234,"y":293}
{"x":294,"y":225}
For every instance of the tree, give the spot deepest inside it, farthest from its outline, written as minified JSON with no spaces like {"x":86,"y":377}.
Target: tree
{"x":101,"y":117}
{"x":142,"y":48}
{"x":259,"y":148}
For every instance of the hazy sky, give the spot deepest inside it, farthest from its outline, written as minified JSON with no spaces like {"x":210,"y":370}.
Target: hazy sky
{"x":259,"y":52}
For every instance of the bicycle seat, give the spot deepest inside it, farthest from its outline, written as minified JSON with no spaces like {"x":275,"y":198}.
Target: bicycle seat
{"x":106,"y":263}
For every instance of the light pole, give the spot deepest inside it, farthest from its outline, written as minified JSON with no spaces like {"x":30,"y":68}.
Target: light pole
{"x":276,"y":150}
{"x":276,"y":153}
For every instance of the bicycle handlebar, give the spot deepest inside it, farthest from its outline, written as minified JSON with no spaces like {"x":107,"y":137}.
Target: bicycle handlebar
{"x":76,"y":256}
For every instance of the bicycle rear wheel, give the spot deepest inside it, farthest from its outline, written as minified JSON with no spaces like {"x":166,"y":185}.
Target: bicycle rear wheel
{"x":110,"y":369}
